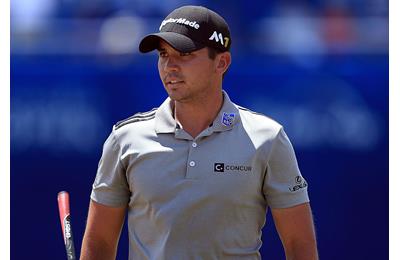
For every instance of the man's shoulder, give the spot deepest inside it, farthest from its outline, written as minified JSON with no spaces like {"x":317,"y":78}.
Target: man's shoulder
{"x":135,"y":119}
{"x":257,"y":120}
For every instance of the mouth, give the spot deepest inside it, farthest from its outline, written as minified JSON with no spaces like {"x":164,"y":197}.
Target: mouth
{"x":173,"y":83}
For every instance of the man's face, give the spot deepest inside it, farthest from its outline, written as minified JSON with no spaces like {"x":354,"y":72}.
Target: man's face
{"x":186,"y":76}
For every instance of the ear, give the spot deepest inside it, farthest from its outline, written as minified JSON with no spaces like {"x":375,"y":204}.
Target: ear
{"x":224,"y":60}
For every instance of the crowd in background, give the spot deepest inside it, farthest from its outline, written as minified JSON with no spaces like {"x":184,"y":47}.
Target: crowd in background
{"x":278,"y":27}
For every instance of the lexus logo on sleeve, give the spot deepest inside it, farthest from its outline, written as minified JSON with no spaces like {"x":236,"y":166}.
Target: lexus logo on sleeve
{"x":300,"y":184}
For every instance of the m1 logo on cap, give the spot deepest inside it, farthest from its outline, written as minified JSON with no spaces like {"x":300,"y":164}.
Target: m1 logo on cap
{"x":218,"y":38}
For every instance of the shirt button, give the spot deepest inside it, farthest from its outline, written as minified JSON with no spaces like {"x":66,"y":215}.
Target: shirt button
{"x":194,"y":144}
{"x":192,"y":163}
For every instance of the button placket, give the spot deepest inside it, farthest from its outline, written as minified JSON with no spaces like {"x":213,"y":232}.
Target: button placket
{"x":191,"y":170}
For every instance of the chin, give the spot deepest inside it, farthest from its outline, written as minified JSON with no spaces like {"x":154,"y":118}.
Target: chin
{"x":177,"y":97}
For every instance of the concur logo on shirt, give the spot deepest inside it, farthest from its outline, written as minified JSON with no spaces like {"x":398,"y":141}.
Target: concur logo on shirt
{"x":221,"y":167}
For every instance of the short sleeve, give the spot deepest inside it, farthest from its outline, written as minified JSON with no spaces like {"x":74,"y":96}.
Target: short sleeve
{"x":283,"y":184}
{"x":110,"y":186}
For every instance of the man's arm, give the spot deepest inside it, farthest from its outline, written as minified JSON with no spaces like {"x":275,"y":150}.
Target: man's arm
{"x":102,"y":232}
{"x":296,"y":230}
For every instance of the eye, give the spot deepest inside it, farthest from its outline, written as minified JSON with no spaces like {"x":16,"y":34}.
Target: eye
{"x":163,"y":54}
{"x":185,"y":53}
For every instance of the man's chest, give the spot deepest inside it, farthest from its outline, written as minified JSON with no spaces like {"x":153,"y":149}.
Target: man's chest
{"x":220,"y":167}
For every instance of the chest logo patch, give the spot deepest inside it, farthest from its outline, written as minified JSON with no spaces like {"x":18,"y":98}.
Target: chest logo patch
{"x":228,"y":118}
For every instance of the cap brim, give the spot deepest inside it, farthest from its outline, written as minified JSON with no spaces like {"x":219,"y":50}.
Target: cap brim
{"x":178,"y":41}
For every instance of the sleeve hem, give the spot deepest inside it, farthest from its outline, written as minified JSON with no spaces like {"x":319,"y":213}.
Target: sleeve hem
{"x":106,"y":200}
{"x":289,"y":200}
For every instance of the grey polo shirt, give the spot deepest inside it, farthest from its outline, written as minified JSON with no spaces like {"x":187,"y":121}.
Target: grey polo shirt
{"x":203,"y":197}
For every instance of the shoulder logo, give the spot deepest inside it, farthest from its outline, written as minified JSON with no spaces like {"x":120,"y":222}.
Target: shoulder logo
{"x":228,"y":118}
{"x":300,"y":184}
{"x":219,"y":38}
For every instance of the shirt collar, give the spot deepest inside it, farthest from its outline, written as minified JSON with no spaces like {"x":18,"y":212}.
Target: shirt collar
{"x":165,"y":122}
{"x":226,"y":119}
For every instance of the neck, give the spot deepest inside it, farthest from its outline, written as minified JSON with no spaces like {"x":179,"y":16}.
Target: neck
{"x":203,"y":111}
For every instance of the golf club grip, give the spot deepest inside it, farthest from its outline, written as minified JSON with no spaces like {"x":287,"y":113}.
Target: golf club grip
{"x":65,"y":218}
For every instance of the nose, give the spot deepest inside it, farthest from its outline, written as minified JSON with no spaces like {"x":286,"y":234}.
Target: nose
{"x":171,"y":64}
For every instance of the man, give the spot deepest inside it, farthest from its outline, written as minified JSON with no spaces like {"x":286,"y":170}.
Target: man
{"x":197,"y":174}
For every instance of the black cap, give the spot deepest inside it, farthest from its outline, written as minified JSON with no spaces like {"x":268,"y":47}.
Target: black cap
{"x":190,"y":28}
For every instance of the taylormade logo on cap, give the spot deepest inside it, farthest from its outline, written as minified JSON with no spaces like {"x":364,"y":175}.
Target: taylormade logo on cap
{"x":193,"y":24}
{"x":199,"y":26}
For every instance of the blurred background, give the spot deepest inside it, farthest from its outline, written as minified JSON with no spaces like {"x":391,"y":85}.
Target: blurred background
{"x":318,"y":67}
